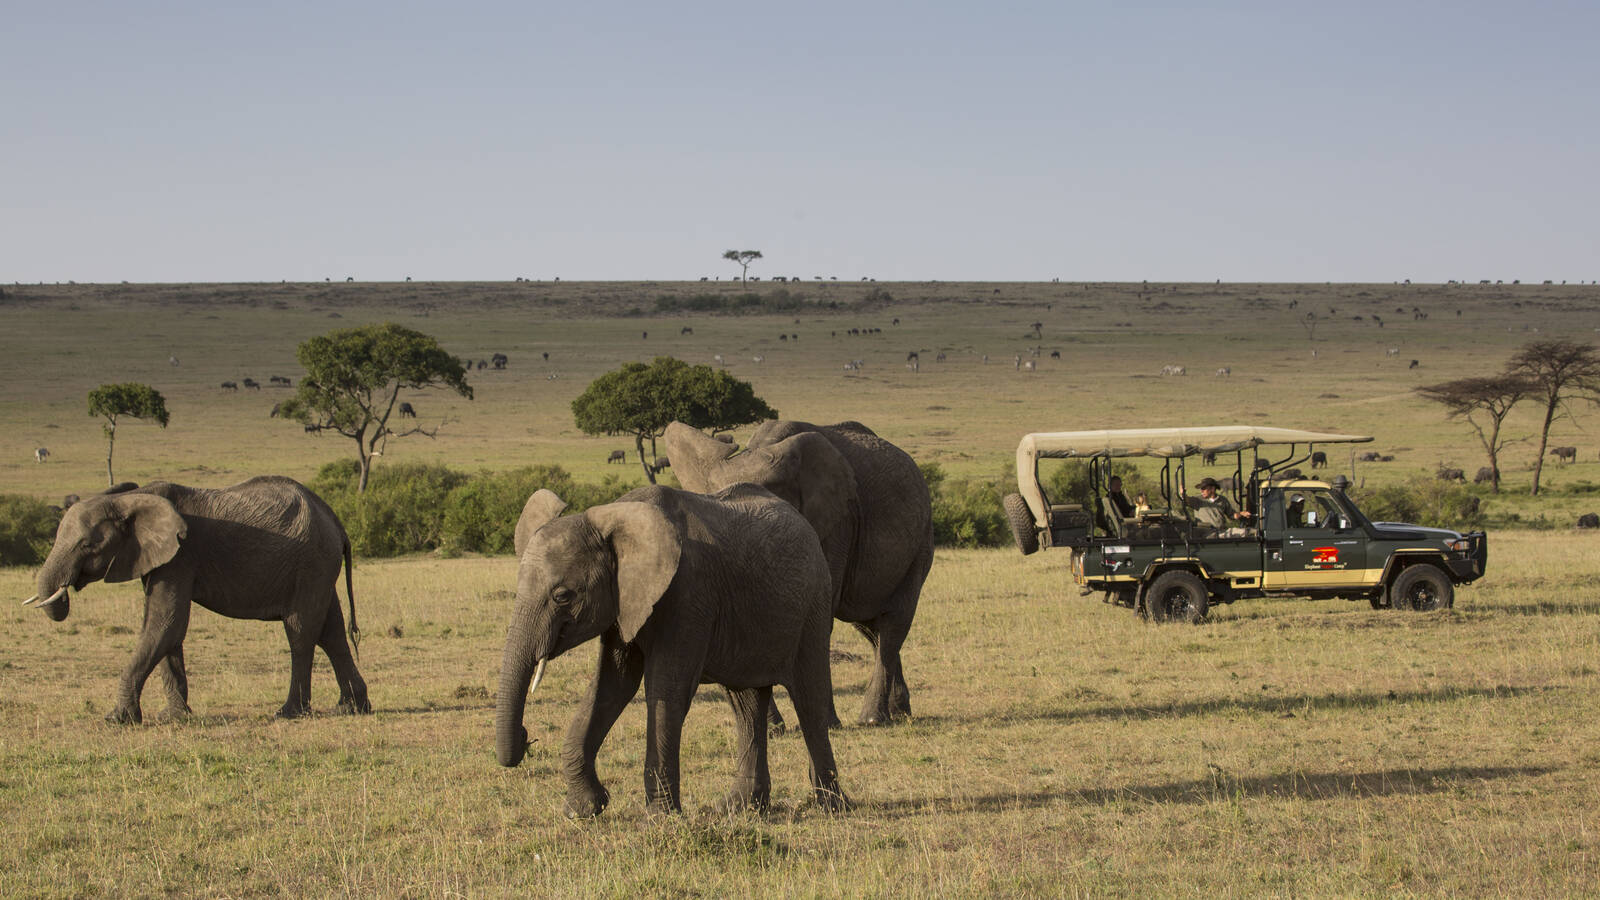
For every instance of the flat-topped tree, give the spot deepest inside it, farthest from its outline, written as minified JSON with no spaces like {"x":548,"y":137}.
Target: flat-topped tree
{"x":1484,"y":401}
{"x":643,"y":400}
{"x":744,"y":258}
{"x":353,"y":381}
{"x":113,"y":401}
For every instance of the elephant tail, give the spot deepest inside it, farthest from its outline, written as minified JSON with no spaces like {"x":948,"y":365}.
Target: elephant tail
{"x":350,"y":592}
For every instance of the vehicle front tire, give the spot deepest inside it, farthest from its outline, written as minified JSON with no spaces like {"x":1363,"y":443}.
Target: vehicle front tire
{"x":1177,"y":596}
{"x":1422,"y":588}
{"x":1020,"y":518}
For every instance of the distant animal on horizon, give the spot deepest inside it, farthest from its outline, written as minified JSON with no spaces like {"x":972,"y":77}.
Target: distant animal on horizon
{"x":230,"y":385}
{"x":407,"y":411}
{"x":1445,"y":474}
{"x":252,"y":384}
{"x":617,"y":456}
{"x":1484,"y":474}
{"x":1564,"y":454}
{"x":1174,"y":370}
{"x":1589,"y":520}
{"x":1414,"y":364}
{"x":1319,"y":460}
{"x":40,"y":454}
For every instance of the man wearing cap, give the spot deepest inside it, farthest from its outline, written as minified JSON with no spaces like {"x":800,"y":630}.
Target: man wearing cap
{"x":1214,"y":511}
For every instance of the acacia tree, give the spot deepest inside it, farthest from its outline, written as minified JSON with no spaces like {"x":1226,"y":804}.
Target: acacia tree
{"x":1557,"y":370}
{"x":112,"y":401}
{"x":643,"y":400}
{"x":353,"y":381}
{"x":1489,"y":397}
{"x":744,"y":258}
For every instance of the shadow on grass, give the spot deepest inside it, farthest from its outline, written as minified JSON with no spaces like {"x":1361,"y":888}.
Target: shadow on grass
{"x":1542,"y":609}
{"x":1222,"y":787}
{"x":1272,"y":704}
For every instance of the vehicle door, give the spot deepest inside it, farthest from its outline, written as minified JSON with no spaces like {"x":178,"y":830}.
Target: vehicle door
{"x":1318,"y":545}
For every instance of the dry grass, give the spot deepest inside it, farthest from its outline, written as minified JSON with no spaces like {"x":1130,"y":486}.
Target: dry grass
{"x":1060,"y":746}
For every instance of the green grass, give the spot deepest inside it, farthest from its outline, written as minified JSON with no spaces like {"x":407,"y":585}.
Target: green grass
{"x":1060,"y":746}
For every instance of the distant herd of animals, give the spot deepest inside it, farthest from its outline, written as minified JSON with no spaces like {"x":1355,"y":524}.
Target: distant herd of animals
{"x":735,"y":579}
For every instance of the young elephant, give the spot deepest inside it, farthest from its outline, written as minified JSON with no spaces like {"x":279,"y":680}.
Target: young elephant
{"x":265,"y":549}
{"x":682,"y":589}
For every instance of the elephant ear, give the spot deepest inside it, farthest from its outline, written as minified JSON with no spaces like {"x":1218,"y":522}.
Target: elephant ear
{"x":648,"y":549}
{"x":541,"y":507}
{"x":694,"y":455}
{"x":152,"y":530}
{"x":816,"y":478}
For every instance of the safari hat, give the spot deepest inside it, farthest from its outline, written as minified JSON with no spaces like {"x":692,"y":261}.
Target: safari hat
{"x":1208,"y":482}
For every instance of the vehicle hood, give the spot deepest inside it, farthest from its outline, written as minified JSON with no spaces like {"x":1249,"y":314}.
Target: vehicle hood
{"x":1402,"y":531}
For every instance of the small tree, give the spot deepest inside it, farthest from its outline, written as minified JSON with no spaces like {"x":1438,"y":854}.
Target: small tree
{"x":744,"y":258}
{"x":1557,"y":370}
{"x":353,"y":381}
{"x":112,"y":401}
{"x":1488,"y":398}
{"x":643,"y":400}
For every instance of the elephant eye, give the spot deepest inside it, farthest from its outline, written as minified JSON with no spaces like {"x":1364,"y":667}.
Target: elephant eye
{"x":562,"y":596}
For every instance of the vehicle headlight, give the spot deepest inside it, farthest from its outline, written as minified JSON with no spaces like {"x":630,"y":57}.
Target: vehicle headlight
{"x":1460,"y":545}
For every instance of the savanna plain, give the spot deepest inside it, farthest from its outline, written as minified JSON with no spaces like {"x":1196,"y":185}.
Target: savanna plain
{"x":1059,"y":746}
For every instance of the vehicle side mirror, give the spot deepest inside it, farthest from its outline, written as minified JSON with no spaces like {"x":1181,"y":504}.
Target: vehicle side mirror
{"x":1341,"y":523}
{"x":1311,"y":518}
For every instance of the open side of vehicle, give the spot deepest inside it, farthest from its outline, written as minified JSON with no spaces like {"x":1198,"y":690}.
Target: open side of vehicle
{"x":1293,"y":536}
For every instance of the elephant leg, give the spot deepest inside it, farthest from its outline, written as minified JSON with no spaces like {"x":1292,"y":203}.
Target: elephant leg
{"x":166,"y":621}
{"x":667,"y":696}
{"x":888,"y":697}
{"x":303,"y":631}
{"x":811,"y":688}
{"x":176,"y":681}
{"x":352,"y":688}
{"x":616,"y":681}
{"x":752,"y":783}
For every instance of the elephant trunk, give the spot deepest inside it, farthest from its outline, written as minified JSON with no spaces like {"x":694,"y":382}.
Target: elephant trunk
{"x":519,"y":664}
{"x":54,"y":596}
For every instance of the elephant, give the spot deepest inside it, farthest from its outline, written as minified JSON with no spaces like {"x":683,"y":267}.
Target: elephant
{"x":266,"y":548}
{"x":682,"y":589}
{"x":869,"y":505}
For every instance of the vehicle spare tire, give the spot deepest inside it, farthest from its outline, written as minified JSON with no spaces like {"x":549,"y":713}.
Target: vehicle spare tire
{"x":1020,"y":518}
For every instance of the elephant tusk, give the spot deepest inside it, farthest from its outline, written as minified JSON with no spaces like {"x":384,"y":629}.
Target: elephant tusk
{"x":538,"y":675}
{"x":53,"y":597}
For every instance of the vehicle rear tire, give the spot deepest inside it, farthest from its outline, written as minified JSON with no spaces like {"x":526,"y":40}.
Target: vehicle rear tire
{"x":1177,"y":596}
{"x":1422,"y":588}
{"x":1020,"y":518}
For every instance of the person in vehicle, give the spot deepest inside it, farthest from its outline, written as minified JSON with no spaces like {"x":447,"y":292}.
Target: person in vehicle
{"x":1141,"y":504}
{"x":1215,"y":512}
{"x":1118,"y":498}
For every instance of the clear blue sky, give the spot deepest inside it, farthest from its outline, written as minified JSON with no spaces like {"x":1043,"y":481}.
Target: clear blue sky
{"x":1273,"y":141}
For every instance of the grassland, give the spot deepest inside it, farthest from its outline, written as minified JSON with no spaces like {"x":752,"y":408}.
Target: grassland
{"x":1059,"y":747}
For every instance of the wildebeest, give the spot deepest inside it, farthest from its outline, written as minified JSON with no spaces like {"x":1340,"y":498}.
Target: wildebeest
{"x":252,"y":384}
{"x":1589,"y":520}
{"x":1319,"y":460}
{"x":1445,"y":474}
{"x":1369,"y":456}
{"x":230,"y":386}
{"x":685,"y":330}
{"x":499,"y":361}
{"x":617,"y":456}
{"x":407,"y":411}
{"x":1567,"y":454}
{"x":1485,"y":473}
{"x":1414,"y":364}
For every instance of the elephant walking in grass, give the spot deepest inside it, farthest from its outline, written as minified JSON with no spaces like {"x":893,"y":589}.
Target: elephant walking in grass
{"x":265,"y":549}
{"x":869,"y":506}
{"x":682,"y":590}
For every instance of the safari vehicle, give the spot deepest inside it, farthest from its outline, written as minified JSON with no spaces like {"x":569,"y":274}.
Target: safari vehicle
{"x":1302,"y":538}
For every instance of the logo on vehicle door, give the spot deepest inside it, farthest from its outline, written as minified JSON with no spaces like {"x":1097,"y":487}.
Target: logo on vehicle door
{"x":1325,"y":558}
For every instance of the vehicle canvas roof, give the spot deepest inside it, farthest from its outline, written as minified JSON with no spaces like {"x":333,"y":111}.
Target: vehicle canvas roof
{"x":1166,"y":442}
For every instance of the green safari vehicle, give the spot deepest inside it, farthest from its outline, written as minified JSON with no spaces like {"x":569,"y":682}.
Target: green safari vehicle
{"x":1298,"y":537}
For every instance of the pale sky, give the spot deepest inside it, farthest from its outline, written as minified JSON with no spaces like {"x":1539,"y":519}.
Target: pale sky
{"x":1272,"y":141}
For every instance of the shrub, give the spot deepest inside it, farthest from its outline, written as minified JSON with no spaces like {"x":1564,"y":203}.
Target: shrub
{"x":27,"y":530}
{"x":1069,"y":483}
{"x":1422,"y":501}
{"x":481,"y":515}
{"x":966,"y":511}
{"x":402,"y":510}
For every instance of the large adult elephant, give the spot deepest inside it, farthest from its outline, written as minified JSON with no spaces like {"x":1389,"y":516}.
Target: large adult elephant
{"x":267,"y":548}
{"x":869,"y":505}
{"x":682,"y":589}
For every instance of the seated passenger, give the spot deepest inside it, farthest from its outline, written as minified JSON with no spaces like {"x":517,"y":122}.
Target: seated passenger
{"x":1141,"y":504}
{"x":1214,"y":511}
{"x":1118,"y":498}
